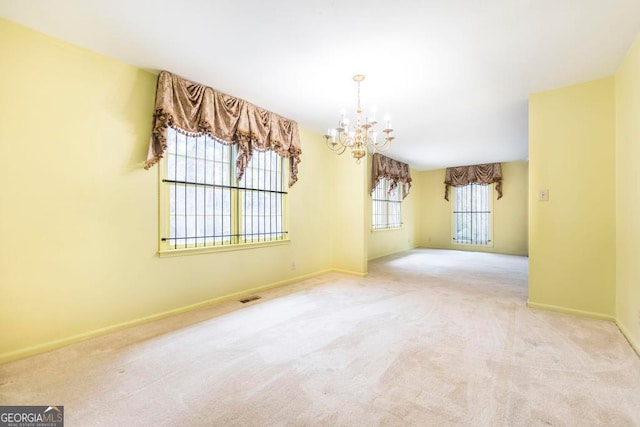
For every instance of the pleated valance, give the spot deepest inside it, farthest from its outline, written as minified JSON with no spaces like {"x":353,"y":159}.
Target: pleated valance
{"x":475,"y":174}
{"x":196,"y":110}
{"x":393,"y":170}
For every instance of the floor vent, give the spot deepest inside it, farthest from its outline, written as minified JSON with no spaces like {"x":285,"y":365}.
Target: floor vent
{"x":249,"y":299}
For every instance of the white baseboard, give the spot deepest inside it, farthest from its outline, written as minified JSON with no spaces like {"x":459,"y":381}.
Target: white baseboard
{"x":351,"y":273}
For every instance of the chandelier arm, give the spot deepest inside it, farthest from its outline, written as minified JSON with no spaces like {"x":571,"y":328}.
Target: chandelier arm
{"x":382,"y":148}
{"x":336,"y":147}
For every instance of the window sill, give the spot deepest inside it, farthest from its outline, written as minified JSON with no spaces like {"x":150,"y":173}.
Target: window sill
{"x":165,"y":253}
{"x":473,"y":245}
{"x":375,"y":230}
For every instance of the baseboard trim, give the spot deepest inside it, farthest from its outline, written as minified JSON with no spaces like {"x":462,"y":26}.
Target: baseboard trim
{"x":350,"y":273}
{"x":392,"y":253}
{"x":567,"y":310}
{"x":63,"y":342}
{"x":472,"y":248}
{"x":635,"y":344}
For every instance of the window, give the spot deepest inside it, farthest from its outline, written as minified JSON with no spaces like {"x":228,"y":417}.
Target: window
{"x":472,"y":214}
{"x":386,"y":206}
{"x":203,"y":204}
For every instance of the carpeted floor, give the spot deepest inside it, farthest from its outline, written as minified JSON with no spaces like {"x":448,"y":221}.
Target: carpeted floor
{"x":429,"y":338}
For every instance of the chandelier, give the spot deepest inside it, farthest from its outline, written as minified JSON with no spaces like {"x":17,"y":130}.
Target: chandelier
{"x":362,"y":136}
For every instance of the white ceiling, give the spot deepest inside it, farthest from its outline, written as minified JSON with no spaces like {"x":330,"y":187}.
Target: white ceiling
{"x":453,"y":74}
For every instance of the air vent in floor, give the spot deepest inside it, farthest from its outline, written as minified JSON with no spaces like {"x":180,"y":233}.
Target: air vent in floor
{"x":249,"y":299}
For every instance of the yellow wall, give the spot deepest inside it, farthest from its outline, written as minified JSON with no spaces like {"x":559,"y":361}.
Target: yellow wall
{"x":509,"y":213}
{"x":572,"y":236}
{"x":385,"y":242}
{"x":628,"y":195}
{"x":348,"y":213}
{"x":79,"y":215}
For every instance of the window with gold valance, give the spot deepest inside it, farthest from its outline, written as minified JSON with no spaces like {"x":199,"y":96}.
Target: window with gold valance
{"x":390,"y":184}
{"x":484,"y":174}
{"x":223,"y":169}
{"x":397,"y":173}
{"x":472,"y":207}
{"x":197,"y":110}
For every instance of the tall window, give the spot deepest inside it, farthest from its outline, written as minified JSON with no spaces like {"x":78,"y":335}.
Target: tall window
{"x":203,"y":204}
{"x":386,"y":206}
{"x":472,"y":214}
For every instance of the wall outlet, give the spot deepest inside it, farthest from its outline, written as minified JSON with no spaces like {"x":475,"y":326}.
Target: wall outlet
{"x":543,"y":195}
{"x":293,"y":265}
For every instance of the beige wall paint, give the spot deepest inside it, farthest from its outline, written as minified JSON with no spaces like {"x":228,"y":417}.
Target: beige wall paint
{"x":627,"y":91}
{"x":572,"y":236}
{"x":509,"y":213}
{"x":79,"y":215}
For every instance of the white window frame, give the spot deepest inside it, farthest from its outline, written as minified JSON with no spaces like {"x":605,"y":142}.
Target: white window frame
{"x":479,"y":217}
{"x":235,"y":224}
{"x":383,"y":206}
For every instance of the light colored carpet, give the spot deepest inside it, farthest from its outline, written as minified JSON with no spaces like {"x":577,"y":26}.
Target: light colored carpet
{"x":429,"y":338}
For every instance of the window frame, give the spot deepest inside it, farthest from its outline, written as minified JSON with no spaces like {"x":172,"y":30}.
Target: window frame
{"x":235,"y":214}
{"x":387,"y":201}
{"x":490,"y":197}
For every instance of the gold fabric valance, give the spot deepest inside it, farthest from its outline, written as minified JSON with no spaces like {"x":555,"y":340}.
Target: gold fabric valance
{"x":393,"y":170}
{"x":476,"y":174}
{"x":197,"y":110}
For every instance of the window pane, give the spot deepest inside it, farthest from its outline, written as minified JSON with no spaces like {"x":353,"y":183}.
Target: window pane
{"x":261,"y":203}
{"x":206,"y":205}
{"x":472,"y":215}
{"x":199,"y":213}
{"x":386,"y":207}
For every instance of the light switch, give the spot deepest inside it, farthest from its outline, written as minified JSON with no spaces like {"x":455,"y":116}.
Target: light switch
{"x":543,"y":195}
